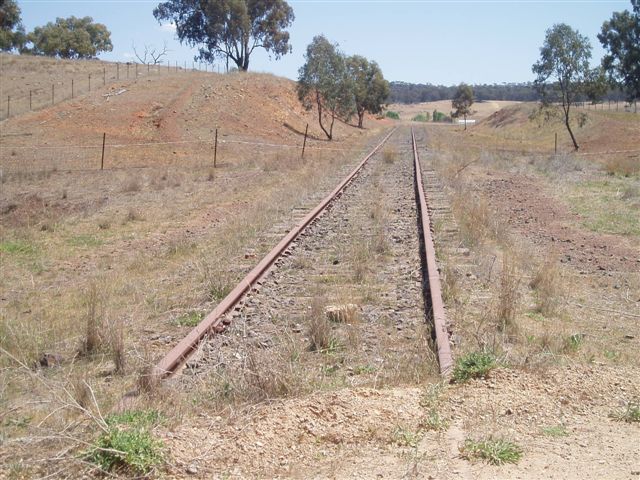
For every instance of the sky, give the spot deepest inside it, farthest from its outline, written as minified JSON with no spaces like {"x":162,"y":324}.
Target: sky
{"x":417,"y":41}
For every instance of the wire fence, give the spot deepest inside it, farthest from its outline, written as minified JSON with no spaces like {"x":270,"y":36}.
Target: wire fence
{"x":60,"y":91}
{"x":103,"y":153}
{"x":610,"y":105}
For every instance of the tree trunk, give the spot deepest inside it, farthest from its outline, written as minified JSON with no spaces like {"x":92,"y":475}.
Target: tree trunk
{"x":333,"y":119}
{"x":320,"y":116}
{"x":360,"y":117}
{"x":566,"y":122}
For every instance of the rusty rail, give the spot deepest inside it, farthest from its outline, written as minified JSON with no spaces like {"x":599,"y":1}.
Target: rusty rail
{"x":434,"y":289}
{"x":214,"y":322}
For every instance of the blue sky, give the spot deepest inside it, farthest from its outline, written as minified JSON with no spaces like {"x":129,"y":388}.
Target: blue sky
{"x":420,"y":41}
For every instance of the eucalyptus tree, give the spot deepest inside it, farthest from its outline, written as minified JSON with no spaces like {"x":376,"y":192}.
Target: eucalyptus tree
{"x":563,"y":69}
{"x":620,"y":36}
{"x":11,"y":29}
{"x":70,"y":37}
{"x":230,"y":29}
{"x":462,"y":101}
{"x":370,"y":89}
{"x":324,"y":82}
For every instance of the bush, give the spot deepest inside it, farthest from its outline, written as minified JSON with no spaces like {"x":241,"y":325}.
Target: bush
{"x":393,"y":115}
{"x":127,"y":443}
{"x":421,"y":117}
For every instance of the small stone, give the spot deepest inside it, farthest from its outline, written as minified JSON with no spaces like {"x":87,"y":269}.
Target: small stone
{"x":192,"y":470}
{"x":49,"y":360}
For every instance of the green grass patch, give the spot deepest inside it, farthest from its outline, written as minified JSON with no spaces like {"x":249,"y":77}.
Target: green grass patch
{"x":608,"y":206}
{"x":135,"y":418}
{"x":128,"y":444}
{"x":492,"y":450}
{"x":555,"y":431}
{"x":405,"y":437}
{"x":537,"y":316}
{"x":363,"y":369}
{"x":473,"y":365}
{"x":574,"y":342}
{"x":85,"y":241}
{"x":132,"y":450}
{"x":17,"y":247}
{"x":421,"y":117}
{"x":190,"y":319}
{"x":392,"y":115}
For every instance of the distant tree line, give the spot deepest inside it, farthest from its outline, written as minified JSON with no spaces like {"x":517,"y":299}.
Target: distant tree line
{"x":403,"y":92}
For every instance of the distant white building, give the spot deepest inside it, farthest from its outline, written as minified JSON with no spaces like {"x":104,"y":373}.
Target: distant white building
{"x":469,"y":121}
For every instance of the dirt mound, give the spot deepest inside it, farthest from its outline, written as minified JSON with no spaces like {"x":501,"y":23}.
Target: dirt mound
{"x":184,"y":108}
{"x":512,"y":115}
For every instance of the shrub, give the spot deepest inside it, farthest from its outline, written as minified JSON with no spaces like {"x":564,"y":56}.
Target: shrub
{"x":473,"y":365}
{"x":127,"y":443}
{"x":421,"y":117}
{"x":392,"y":115}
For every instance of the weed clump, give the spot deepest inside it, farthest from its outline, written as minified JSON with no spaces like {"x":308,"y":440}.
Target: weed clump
{"x":493,"y":450}
{"x":473,"y":365}
{"x":127,"y":443}
{"x":630,"y":414}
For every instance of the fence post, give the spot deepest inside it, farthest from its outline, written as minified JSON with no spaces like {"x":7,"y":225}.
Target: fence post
{"x":148,"y":68}
{"x":53,"y":92}
{"x":118,"y":71}
{"x":304,"y":144}
{"x":72,"y":89}
{"x":104,"y":76}
{"x":556,"y":143}
{"x":8,"y":105}
{"x":215,"y":150}
{"x":89,"y":82}
{"x":104,"y":138}
{"x":30,"y":98}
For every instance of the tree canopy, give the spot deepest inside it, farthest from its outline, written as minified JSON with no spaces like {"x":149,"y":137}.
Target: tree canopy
{"x":11,"y":30}
{"x":563,"y":69}
{"x":325,"y":82}
{"x":620,"y":36}
{"x":462,"y":101}
{"x":370,"y":89}
{"x":230,"y":29}
{"x":70,"y":38}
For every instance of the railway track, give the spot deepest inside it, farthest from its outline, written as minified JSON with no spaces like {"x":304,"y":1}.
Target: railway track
{"x":350,"y":296}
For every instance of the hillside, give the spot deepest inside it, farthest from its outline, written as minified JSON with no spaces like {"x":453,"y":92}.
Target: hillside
{"x":183,"y":106}
{"x":597,"y":131}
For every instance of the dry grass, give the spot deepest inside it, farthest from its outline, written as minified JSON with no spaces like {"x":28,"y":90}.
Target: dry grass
{"x":389,"y":155}
{"x":320,"y":331}
{"x":508,"y":295}
{"x":95,"y":302}
{"x":625,"y":166}
{"x":548,"y":285}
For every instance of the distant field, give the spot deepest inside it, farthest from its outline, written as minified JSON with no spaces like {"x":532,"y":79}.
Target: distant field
{"x":481,"y":110}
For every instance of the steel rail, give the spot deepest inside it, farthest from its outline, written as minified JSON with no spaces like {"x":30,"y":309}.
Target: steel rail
{"x":214,"y":322}
{"x":434,"y":290}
